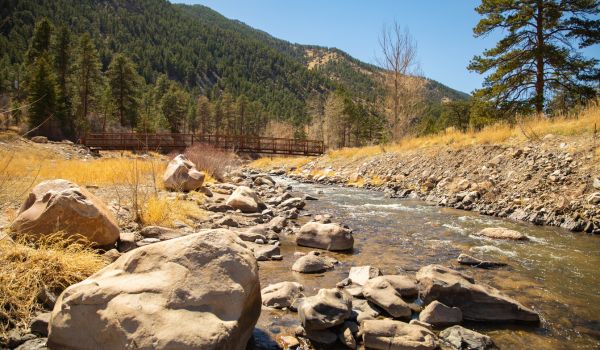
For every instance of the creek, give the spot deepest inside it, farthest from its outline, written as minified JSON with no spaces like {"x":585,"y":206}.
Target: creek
{"x":556,"y":272}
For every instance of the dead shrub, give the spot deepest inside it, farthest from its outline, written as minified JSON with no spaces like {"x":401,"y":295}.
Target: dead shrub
{"x":214,"y":161}
{"x":30,"y":267}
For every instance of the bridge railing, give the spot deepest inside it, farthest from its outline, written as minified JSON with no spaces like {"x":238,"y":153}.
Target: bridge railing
{"x":238,"y":143}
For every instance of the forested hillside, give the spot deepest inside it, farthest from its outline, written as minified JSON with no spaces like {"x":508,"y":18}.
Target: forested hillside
{"x":191,"y":69}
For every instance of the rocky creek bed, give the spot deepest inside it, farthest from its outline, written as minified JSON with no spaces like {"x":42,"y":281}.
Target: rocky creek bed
{"x":554,"y":272}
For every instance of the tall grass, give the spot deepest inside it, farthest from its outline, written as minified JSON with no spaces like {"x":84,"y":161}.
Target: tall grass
{"x":52,"y":263}
{"x":161,"y":211}
{"x":280,"y":162}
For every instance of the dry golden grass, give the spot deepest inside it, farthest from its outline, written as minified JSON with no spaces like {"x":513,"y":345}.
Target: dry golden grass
{"x":161,"y":211}
{"x":52,"y":264}
{"x":377,"y":181}
{"x":280,"y":162}
{"x":585,"y":121}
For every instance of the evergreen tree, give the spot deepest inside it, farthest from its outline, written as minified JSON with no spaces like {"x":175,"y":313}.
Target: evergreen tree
{"x":124,"y":86}
{"x":40,"y":41}
{"x":538,"y":54}
{"x":204,"y":114}
{"x":173,"y":107}
{"x":242,"y":111}
{"x":86,"y":79}
{"x":61,"y":54}
{"x":42,"y":99}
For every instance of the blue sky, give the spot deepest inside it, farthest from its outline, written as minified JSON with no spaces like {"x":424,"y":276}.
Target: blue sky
{"x":442,"y":29}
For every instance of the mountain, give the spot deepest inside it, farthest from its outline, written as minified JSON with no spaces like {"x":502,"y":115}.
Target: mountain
{"x":204,"y":51}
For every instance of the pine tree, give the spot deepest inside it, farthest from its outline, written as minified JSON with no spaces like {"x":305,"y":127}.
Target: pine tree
{"x":204,"y":114}
{"x":61,"y":54}
{"x":124,"y":85}
{"x":86,"y":79}
{"x":173,"y":107}
{"x":40,"y":41}
{"x":538,"y":54}
{"x":42,"y":99}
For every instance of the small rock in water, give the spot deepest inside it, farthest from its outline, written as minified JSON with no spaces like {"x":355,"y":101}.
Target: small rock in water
{"x":396,"y":335}
{"x":465,"y":259}
{"x":501,"y":233}
{"x":313,"y":262}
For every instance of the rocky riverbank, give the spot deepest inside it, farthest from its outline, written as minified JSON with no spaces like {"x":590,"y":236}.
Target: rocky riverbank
{"x":554,"y":181}
{"x":198,"y":286}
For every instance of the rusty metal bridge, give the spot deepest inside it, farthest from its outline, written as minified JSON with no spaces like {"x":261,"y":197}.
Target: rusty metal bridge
{"x":171,"y":142}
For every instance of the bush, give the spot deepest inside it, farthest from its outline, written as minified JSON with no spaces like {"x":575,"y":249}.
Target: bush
{"x":29,"y":267}
{"x":212,"y":160}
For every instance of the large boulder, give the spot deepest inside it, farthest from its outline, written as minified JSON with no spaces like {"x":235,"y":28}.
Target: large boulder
{"x":396,"y":335}
{"x":200,"y":291}
{"x":60,"y":205}
{"x":459,"y":338}
{"x":282,"y":295}
{"x":328,"y":308}
{"x":501,"y":233}
{"x":245,"y":199}
{"x":387,"y":291}
{"x":477,"y":302}
{"x":181,"y":175}
{"x":325,"y":236}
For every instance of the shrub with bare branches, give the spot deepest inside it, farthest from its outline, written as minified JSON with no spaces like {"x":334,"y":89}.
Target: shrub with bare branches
{"x":216,"y":162}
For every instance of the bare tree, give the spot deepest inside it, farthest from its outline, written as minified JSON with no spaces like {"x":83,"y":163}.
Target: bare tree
{"x":402,"y":78}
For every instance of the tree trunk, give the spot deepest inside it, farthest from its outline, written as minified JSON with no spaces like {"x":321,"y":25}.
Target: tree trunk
{"x":539,"y":83}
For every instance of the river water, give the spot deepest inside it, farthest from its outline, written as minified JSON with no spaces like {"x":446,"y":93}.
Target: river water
{"x":556,"y":273}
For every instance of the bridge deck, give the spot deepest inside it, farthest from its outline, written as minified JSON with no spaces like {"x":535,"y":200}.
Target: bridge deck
{"x":169,"y":142}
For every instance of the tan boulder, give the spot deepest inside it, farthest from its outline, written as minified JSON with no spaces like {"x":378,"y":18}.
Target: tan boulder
{"x":501,"y":233}
{"x":181,"y":175}
{"x":396,"y":335}
{"x":328,"y":308}
{"x":245,"y":199}
{"x":199,"y":291}
{"x":477,"y":302}
{"x":60,"y":205}
{"x":386,"y":292}
{"x":325,"y":236}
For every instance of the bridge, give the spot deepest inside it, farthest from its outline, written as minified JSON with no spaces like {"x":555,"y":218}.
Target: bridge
{"x":174,"y":142}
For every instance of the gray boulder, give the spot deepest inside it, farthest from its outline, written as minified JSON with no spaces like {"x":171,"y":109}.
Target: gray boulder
{"x":386,"y":292}
{"x":282,"y":295}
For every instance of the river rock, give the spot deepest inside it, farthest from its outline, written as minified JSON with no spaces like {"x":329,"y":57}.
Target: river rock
{"x":361,"y":274}
{"x":60,"y":205}
{"x":264,"y":180}
{"x":477,"y":302}
{"x":346,"y":334}
{"x":396,"y":335}
{"x":200,"y":291}
{"x":501,"y":233}
{"x":438,"y":314}
{"x":294,"y":202}
{"x":162,"y":233}
{"x":266,"y":252}
{"x":594,"y":198}
{"x":468,"y":260}
{"x":39,"y":139}
{"x":245,"y":199}
{"x":364,"y":310}
{"x":313,"y":262}
{"x":459,"y":338}
{"x":181,"y":175}
{"x":328,"y":308}
{"x":382,"y":293}
{"x":39,"y":324}
{"x":282,"y":295}
{"x":596,"y":183}
{"x":325,"y":236}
